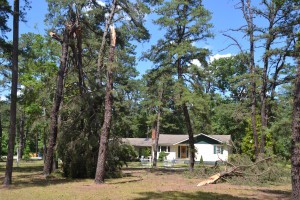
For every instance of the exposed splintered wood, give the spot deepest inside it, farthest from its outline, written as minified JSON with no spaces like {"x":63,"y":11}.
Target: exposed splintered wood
{"x":56,"y":37}
{"x":210,"y":180}
{"x":113,"y":36}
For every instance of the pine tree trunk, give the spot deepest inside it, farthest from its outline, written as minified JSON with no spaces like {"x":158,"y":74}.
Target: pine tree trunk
{"x":191,"y":137}
{"x":157,"y":129}
{"x":0,"y":134}
{"x":56,"y":105}
{"x":263,"y":111}
{"x":295,"y":153}
{"x":157,"y":132}
{"x":263,"y":95}
{"x":154,"y":143}
{"x":13,"y":96}
{"x":103,"y":42}
{"x":79,"y":62}
{"x":253,"y":82}
{"x":100,"y":171}
{"x":187,"y":120}
{"x":248,"y":15}
{"x":44,"y":146}
{"x":21,"y":137}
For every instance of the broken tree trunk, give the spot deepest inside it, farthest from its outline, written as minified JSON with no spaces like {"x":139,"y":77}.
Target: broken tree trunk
{"x":57,"y":100}
{"x":100,"y":171}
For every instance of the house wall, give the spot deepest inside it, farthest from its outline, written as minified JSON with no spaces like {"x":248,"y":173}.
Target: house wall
{"x":207,"y":152}
{"x":172,"y":154}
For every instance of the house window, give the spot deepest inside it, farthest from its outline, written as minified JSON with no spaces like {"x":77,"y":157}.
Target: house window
{"x":218,"y":149}
{"x":164,"y":148}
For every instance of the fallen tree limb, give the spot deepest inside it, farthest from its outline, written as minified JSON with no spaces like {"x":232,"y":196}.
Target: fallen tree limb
{"x":233,"y":171}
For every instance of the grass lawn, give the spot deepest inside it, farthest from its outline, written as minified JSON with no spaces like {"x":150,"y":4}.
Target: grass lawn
{"x":29,"y":183}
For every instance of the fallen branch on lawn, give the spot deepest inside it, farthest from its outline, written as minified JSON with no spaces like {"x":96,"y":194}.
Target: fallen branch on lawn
{"x":233,"y":171}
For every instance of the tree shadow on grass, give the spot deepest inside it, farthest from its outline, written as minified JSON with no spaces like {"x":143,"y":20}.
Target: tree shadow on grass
{"x":184,"y":195}
{"x":35,"y":180}
{"x":32,"y":176}
{"x":280,"y":193}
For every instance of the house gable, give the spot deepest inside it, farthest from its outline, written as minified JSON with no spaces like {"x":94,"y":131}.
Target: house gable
{"x":203,"y":139}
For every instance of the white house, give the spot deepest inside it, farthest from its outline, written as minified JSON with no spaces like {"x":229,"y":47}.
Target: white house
{"x":211,"y":147}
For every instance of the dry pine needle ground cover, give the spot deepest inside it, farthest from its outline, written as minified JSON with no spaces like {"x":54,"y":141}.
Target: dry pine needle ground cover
{"x":29,"y":183}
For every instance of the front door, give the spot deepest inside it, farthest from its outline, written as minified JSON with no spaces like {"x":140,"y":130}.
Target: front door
{"x":183,"y":151}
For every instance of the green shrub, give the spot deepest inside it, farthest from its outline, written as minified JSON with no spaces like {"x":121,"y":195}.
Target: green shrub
{"x":145,"y":152}
{"x":26,"y":155}
{"x":162,"y":156}
{"x":201,"y":161}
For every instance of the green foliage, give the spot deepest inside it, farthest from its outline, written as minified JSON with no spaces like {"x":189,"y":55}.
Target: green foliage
{"x":26,"y":155}
{"x":281,"y":127}
{"x":162,"y":156}
{"x":271,"y":171}
{"x":145,"y":152}
{"x":79,"y":158}
{"x":5,"y":10}
{"x":202,"y":172}
{"x":247,"y":144}
{"x":265,"y":171}
{"x":118,"y":155}
{"x":201,"y":160}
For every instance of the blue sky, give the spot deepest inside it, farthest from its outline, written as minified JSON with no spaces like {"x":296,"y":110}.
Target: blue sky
{"x":224,"y":16}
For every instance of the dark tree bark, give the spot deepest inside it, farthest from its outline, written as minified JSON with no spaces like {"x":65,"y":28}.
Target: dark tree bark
{"x":295,"y":151}
{"x":181,"y":32}
{"x":57,"y":101}
{"x":13,"y":96}
{"x":103,"y":42}
{"x":187,"y":119}
{"x":248,"y":15}
{"x":21,"y":136}
{"x":100,"y":171}
{"x":156,"y":129}
{"x":44,"y":146}
{"x":103,"y":144}
{"x":77,"y":51}
{"x":79,"y":60}
{"x":155,"y":138}
{"x":272,"y":12}
{"x":191,"y":136}
{"x":0,"y":135}
{"x":263,"y":96}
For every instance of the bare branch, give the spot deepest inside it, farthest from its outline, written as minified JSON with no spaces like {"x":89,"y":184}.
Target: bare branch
{"x":236,"y":42}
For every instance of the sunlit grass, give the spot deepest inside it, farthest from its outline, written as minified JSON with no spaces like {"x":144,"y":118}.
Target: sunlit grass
{"x":137,"y":183}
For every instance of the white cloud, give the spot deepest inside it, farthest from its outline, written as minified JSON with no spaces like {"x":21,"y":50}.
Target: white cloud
{"x":218,"y":56}
{"x":196,"y":62}
{"x":88,"y":8}
{"x":101,"y":3}
{"x":3,"y":98}
{"x":20,"y":90}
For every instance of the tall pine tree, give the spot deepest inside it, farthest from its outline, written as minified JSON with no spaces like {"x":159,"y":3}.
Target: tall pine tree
{"x":186,"y":22}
